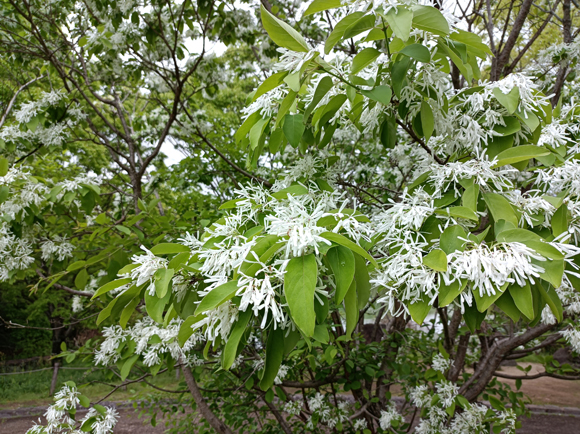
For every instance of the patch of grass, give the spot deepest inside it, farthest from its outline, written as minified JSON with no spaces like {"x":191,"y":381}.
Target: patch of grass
{"x":31,"y":389}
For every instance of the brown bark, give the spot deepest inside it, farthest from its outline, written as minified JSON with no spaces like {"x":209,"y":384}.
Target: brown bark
{"x":219,"y":426}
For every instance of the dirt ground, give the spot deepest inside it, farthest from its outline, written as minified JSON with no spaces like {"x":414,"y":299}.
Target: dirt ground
{"x":545,"y":390}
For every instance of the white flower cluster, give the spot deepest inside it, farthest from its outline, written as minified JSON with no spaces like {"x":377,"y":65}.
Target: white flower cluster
{"x":59,"y":416}
{"x":58,"y":247}
{"x":15,"y":253}
{"x":389,"y":416}
{"x":327,"y":413}
{"x":151,"y":339}
{"x":572,"y":336}
{"x":441,"y":363}
{"x":24,"y":191}
{"x":472,"y":419}
{"x":145,"y":271}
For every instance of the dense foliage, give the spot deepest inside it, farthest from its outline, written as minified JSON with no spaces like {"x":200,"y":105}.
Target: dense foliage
{"x":399,"y":203}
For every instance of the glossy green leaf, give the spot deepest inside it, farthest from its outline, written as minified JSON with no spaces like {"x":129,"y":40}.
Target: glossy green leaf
{"x":419,"y":310}
{"x":270,"y":83}
{"x":3,"y":166}
{"x":436,"y":259}
{"x":430,"y":19}
{"x":362,"y":278}
{"x":343,"y":241}
{"x":282,"y":34}
{"x":110,"y":286}
{"x":294,"y":128}
{"x":299,"y":285}
{"x":169,"y":248}
{"x":321,"y":5}
{"x":274,"y":357}
{"x":561,"y":220}
{"x":453,"y":239}
{"x":341,"y":260}
{"x":427,"y":120}
{"x":418,"y":52}
{"x":364,"y":58}
{"x":506,"y":304}
{"x":127,"y":365}
{"x":231,"y":348}
{"x":523,"y":299}
{"x":351,"y":310}
{"x":510,"y":100}
{"x":380,"y":94}
{"x":322,"y":89}
{"x":339,"y":30}
{"x":400,"y":20}
{"x":163,"y":278}
{"x":520,"y":153}
{"x":500,"y":208}
{"x":217,"y":296}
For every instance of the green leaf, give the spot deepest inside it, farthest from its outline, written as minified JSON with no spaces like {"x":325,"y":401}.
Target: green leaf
{"x":282,"y":34}
{"x":185,"y":331}
{"x":4,"y":192}
{"x":341,"y":260}
{"x":231,"y":347}
{"x":272,"y":82}
{"x":523,"y":299}
{"x":470,"y":197}
{"x":299,"y":285}
{"x":84,"y":401}
{"x":418,"y":52}
{"x":343,"y":241}
{"x":380,"y":94}
{"x":123,"y":229}
{"x":389,"y":133}
{"x":163,"y":278}
{"x":169,"y":248}
{"x":500,"y":208}
{"x":362,"y":25}
{"x":363,"y":285}
{"x":399,"y":74}
{"x":551,"y":298}
{"x":76,"y":265}
{"x":510,"y":100}
{"x":512,"y":126}
{"x":294,"y":128}
{"x":436,"y":260}
{"x":419,"y":310}
{"x":554,"y":270}
{"x":295,"y":189}
{"x":459,"y":212}
{"x":400,"y":20}
{"x":321,"y":5}
{"x":363,"y":59}
{"x":322,"y":89}
{"x":561,"y":220}
{"x":217,"y":296}
{"x":127,"y":365}
{"x":520,"y":153}
{"x":453,"y":239}
{"x":427,"y":120}
{"x":430,"y":19}
{"x":110,"y":286}
{"x":3,"y":166}
{"x":351,"y":310}
{"x":506,"y":303}
{"x":257,"y":131}
{"x":485,"y":301}
{"x":339,"y":30}
{"x":448,"y":293}
{"x":473,"y":318}
{"x":81,"y":279}
{"x":274,"y":357}
{"x":321,"y":334}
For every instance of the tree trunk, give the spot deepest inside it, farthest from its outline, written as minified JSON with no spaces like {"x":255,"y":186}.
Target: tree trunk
{"x":54,"y":378}
{"x":203,"y":408}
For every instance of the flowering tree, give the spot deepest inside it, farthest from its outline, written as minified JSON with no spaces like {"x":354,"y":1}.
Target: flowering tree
{"x":380,"y":194}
